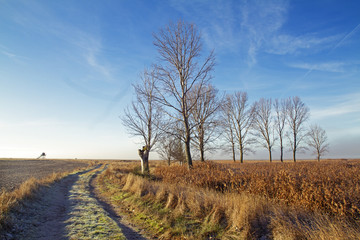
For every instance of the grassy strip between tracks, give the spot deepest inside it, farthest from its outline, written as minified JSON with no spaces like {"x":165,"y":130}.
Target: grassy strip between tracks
{"x":88,"y":220}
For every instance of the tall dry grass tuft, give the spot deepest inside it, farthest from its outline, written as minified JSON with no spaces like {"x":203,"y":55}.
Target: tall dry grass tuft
{"x":331,"y":187}
{"x":208,"y":213}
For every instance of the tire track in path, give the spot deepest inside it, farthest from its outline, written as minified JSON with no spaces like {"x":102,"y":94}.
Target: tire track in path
{"x":68,"y":209}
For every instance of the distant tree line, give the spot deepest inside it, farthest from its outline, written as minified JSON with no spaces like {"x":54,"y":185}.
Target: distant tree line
{"x":177,"y":109}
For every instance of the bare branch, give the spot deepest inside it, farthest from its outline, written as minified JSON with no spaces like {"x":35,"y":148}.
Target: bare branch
{"x":179,"y":47}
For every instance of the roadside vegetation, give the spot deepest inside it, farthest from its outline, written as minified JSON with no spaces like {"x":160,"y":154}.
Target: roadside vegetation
{"x":224,"y":201}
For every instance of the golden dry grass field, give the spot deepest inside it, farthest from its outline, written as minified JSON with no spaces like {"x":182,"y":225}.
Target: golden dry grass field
{"x":255,"y":200}
{"x":213,"y":200}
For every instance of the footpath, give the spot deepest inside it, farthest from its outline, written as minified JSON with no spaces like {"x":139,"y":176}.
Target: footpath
{"x":69,"y":209}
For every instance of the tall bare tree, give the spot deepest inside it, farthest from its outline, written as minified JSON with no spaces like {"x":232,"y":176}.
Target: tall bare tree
{"x":280,"y":120}
{"x":297,"y":113}
{"x":144,"y":116}
{"x":242,"y":119}
{"x":263,"y":124}
{"x":180,"y":69}
{"x":204,"y":117}
{"x":228,"y":127}
{"x":317,"y":140}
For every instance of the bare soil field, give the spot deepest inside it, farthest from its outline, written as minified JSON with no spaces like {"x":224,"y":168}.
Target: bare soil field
{"x":14,"y":172}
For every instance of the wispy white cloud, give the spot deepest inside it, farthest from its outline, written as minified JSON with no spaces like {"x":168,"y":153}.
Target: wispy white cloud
{"x":86,"y":44}
{"x":341,"y":105}
{"x":287,"y":44}
{"x":260,"y":22}
{"x":325,"y":67}
{"x":236,"y":26}
{"x":10,"y":54}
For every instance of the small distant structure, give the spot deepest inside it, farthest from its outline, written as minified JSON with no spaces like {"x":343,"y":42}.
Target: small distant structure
{"x":42,"y":156}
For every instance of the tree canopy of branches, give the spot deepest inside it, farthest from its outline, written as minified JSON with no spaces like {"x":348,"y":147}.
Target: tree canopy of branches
{"x":296,"y":114}
{"x":263,"y":124}
{"x":241,"y":119}
{"x":317,"y":140}
{"x":280,"y":120}
{"x":143,"y":117}
{"x":179,"y":70}
{"x":204,"y":117}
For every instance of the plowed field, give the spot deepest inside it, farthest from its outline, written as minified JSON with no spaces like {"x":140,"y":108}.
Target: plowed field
{"x":14,"y":172}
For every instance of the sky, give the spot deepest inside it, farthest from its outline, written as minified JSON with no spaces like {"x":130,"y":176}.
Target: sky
{"x":66,"y":67}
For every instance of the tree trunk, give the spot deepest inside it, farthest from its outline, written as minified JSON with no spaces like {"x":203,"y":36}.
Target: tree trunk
{"x":202,"y":159}
{"x":294,"y":148}
{"x":187,"y":152}
{"x":144,"y":157}
{"x":233,"y":151}
{"x":294,"y":155}
{"x":281,"y":150}
{"x":241,"y":154}
{"x":270,"y":156}
{"x":202,"y":152}
{"x":187,"y":142}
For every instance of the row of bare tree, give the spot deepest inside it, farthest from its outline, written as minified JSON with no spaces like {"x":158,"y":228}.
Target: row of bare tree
{"x":177,"y":107}
{"x":266,"y":121}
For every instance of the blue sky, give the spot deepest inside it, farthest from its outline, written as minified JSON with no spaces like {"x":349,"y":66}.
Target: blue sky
{"x":66,"y":67}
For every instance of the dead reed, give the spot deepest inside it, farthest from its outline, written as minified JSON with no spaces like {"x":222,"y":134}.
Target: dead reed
{"x":186,"y":208}
{"x":330,"y":187}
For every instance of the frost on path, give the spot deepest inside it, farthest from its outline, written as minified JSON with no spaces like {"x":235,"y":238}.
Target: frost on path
{"x":66,"y":210}
{"x":88,"y":220}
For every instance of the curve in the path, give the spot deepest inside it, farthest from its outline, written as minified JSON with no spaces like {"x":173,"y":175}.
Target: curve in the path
{"x":68,"y":209}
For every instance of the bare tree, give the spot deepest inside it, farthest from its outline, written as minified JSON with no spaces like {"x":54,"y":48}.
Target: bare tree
{"x":143,"y":117}
{"x":280,"y":120}
{"x":228,"y":126}
{"x":204,"y":117}
{"x":178,"y":153}
{"x":171,"y":149}
{"x":318,"y":140}
{"x":242,"y":119}
{"x":165,"y":149}
{"x":180,"y":69}
{"x":263,"y":124}
{"x":296,"y":114}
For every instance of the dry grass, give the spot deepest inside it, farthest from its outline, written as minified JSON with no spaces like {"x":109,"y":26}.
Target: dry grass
{"x":330,"y":187}
{"x":187,"y":209}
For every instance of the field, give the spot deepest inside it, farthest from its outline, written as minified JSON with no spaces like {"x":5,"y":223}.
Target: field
{"x":306,"y":200}
{"x":214,"y":200}
{"x":329,"y":186}
{"x":14,"y":172}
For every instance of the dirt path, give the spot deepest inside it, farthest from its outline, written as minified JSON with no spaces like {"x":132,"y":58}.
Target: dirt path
{"x":69,"y":209}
